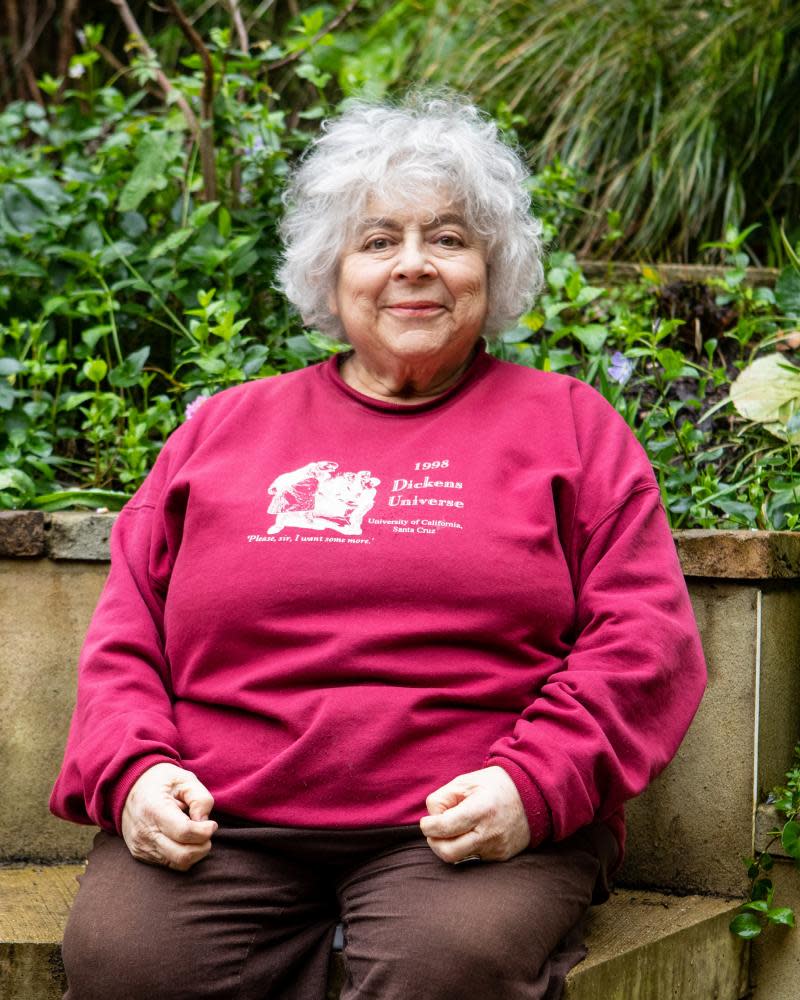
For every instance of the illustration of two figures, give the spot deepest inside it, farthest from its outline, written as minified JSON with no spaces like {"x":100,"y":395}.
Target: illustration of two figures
{"x":313,"y":497}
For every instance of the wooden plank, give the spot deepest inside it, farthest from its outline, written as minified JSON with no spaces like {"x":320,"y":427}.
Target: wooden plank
{"x":35,"y":901}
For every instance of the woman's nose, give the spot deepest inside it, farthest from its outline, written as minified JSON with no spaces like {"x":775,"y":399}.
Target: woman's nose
{"x":413,"y":259}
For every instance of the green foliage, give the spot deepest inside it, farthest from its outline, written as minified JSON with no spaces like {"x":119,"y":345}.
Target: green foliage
{"x":680,"y":116}
{"x":123,"y":293}
{"x":126,"y":293}
{"x":758,"y":911}
{"x":672,"y":379}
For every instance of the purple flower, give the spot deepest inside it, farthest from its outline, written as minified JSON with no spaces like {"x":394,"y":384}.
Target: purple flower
{"x":256,"y":147}
{"x":621,"y":368}
{"x":194,"y":406}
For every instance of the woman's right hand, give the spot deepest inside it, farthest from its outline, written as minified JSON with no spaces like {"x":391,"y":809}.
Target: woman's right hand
{"x":155,"y":824}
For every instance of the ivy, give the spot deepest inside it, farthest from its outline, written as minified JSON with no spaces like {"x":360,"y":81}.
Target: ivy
{"x":759,"y":911}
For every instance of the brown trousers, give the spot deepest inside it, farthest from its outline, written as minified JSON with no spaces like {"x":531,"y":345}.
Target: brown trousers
{"x":255,"y":919}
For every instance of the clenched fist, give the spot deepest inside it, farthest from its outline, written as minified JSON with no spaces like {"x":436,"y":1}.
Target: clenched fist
{"x":479,"y":813}
{"x":165,"y":819}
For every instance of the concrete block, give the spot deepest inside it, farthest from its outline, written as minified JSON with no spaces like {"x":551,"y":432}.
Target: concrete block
{"x":779,"y":687}
{"x":642,"y":945}
{"x":739,"y":555}
{"x":21,"y":533}
{"x":45,"y":609}
{"x":79,"y":535}
{"x":647,"y":946}
{"x":690,"y":829}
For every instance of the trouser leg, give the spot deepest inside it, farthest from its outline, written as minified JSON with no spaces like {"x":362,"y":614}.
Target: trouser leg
{"x":417,"y":927}
{"x":243,"y":924}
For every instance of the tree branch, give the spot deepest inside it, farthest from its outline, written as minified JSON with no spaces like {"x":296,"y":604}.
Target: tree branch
{"x":23,"y":76}
{"x":330,"y":26}
{"x":122,"y":69}
{"x":258,"y":13}
{"x":133,"y":29}
{"x":34,"y":29}
{"x":238,"y":23}
{"x":66,"y":46}
{"x":207,"y":156}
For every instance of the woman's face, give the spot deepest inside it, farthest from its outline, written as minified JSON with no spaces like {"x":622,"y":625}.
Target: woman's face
{"x":412,"y":285}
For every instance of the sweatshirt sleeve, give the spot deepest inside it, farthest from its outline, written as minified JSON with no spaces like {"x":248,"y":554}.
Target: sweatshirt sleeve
{"x":123,"y":721}
{"x":613,"y":715}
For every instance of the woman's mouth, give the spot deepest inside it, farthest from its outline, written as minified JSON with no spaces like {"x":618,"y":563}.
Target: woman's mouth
{"x":422,"y":307}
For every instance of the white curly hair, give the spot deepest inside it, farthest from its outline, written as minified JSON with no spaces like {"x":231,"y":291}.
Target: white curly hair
{"x":401,"y":151}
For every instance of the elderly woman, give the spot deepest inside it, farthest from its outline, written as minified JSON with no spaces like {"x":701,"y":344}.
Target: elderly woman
{"x":425,"y":731}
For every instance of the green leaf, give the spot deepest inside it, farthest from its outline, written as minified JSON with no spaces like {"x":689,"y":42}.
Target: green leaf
{"x":588,"y":294}
{"x":128,"y":372}
{"x":10,"y":366}
{"x":212,"y":365}
{"x":92,"y":334}
{"x":768,"y":392}
{"x":592,"y":337}
{"x":787,"y":292}
{"x":22,"y":267}
{"x":790,"y":838}
{"x":756,"y":905}
{"x":200,"y":215}
{"x":154,"y":153}
{"x":7,"y":396}
{"x":672,"y":362}
{"x":16,"y":480}
{"x":117,"y":250}
{"x":736,"y":508}
{"x":241,"y":265}
{"x":557,"y":278}
{"x":745,"y":925}
{"x":22,"y":213}
{"x":75,"y":399}
{"x":80,"y":498}
{"x":781,"y":915}
{"x":326,"y":344}
{"x":95,"y":370}
{"x":45,"y":191}
{"x":171,"y":242}
{"x":133,"y":224}
{"x":560,"y":359}
{"x":573,"y":285}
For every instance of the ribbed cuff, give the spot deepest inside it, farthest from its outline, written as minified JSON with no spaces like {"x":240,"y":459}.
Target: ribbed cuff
{"x":533,"y":802}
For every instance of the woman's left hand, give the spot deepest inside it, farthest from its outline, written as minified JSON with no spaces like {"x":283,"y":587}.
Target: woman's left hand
{"x":479,"y":813}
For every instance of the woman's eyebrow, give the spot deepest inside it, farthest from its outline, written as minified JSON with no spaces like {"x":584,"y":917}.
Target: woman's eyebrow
{"x":379,"y":222}
{"x":385,"y":222}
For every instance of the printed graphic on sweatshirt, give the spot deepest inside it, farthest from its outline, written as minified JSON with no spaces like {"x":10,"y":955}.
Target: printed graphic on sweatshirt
{"x":319,"y":502}
{"x":318,"y":497}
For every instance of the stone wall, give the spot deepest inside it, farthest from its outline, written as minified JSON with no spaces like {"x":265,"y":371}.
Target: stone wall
{"x":687,"y":832}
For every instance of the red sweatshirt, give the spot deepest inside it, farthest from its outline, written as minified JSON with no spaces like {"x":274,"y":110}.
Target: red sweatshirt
{"x":327,"y":606}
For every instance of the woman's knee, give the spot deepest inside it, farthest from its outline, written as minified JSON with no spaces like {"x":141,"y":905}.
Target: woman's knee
{"x":131,"y":933}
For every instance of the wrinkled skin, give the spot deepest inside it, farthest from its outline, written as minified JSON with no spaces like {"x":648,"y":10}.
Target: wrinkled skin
{"x":165,"y":819}
{"x":476,"y":814}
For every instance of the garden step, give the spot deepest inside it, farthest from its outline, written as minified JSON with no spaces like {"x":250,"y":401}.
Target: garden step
{"x":643,"y":945}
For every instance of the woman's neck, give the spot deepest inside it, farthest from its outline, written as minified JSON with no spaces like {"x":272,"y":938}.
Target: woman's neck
{"x":404,"y":384}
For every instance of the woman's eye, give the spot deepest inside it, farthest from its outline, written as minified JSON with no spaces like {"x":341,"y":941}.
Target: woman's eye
{"x":377,"y":243}
{"x":449,"y":240}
